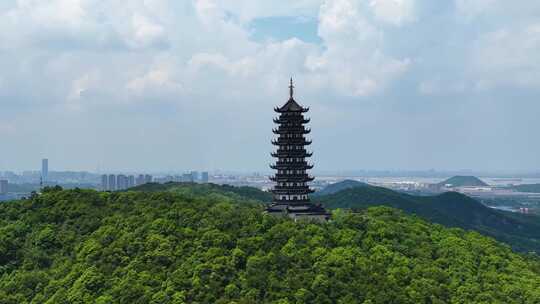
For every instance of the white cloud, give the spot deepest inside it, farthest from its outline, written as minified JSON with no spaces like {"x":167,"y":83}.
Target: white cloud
{"x":497,"y":11}
{"x":354,"y":61}
{"x":242,"y":67}
{"x":157,"y":81}
{"x":395,"y":12}
{"x":507,"y":57}
{"x":86,"y":82}
{"x":473,"y":8}
{"x":195,"y":59}
{"x":146,"y":32}
{"x":247,"y":10}
{"x":203,"y":40}
{"x":68,"y":13}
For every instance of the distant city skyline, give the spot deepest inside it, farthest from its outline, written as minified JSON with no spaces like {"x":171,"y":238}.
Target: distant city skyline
{"x":173,"y":85}
{"x":38,"y":172}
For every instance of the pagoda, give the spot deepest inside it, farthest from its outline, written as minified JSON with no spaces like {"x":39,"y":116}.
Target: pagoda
{"x":291,"y":191}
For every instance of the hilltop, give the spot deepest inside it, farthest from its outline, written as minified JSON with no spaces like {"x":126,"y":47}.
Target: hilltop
{"x":463,"y":181}
{"x":205,"y":189}
{"x":83,"y":246}
{"x":451,"y":209}
{"x":339,"y":186}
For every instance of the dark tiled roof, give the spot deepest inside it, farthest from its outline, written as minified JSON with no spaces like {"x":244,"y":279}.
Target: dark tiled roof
{"x":291,"y":106}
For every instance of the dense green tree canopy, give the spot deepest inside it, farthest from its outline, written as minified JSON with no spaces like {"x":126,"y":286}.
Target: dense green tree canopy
{"x":452,"y":209}
{"x":82,"y":246}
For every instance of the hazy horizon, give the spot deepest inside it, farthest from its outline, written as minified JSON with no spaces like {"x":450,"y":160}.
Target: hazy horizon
{"x":159,"y":85}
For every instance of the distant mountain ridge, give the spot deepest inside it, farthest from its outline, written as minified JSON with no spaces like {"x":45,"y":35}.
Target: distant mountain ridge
{"x":530,"y":188}
{"x":339,"y":186}
{"x":463,"y":181}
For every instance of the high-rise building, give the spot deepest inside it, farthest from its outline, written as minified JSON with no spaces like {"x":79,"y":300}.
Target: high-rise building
{"x":139,"y":180}
{"x":4,"y":186}
{"x":204,"y":177}
{"x":44,"y":169}
{"x":121,"y":182}
{"x":195,"y":176}
{"x":291,"y":191}
{"x":147,"y":178}
{"x":104,"y":182}
{"x":187,"y":178}
{"x":112,"y":182}
{"x":131,"y":181}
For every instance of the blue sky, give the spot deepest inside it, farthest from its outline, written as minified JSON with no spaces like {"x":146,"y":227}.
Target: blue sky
{"x":180,"y":85}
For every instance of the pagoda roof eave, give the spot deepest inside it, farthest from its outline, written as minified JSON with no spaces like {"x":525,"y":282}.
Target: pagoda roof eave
{"x":291,"y":106}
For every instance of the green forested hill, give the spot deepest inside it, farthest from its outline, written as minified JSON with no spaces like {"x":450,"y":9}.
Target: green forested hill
{"x":451,"y":209}
{"x":81,"y":246}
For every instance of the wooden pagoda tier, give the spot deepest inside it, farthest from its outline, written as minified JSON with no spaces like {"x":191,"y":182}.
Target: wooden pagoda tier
{"x":291,"y":153}
{"x":285,"y":120}
{"x":287,"y":130}
{"x":291,"y":178}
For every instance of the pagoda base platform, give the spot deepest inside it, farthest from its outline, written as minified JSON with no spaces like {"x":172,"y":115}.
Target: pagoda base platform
{"x":307,"y":211}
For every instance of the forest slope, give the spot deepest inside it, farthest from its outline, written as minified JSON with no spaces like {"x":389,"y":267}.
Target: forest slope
{"x":451,"y":209}
{"x":82,"y":246}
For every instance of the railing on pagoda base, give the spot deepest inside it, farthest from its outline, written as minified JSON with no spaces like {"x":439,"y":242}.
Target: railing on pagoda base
{"x":296,"y":202}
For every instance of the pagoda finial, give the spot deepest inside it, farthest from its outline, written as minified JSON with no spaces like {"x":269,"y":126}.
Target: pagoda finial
{"x":291,"y":89}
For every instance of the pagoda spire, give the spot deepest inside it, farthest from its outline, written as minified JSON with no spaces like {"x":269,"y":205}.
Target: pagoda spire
{"x":291,"y":89}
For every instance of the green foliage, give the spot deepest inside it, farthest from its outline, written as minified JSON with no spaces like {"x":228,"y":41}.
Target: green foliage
{"x":51,"y":189}
{"x":451,"y":209}
{"x":204,"y":189}
{"x":82,"y":246}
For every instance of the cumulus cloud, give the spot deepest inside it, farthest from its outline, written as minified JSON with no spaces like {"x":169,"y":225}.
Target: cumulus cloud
{"x":120,"y":55}
{"x":354,"y":60}
{"x":508,"y":57}
{"x":159,"y":79}
{"x":247,"y":10}
{"x":355,"y":56}
{"x":395,"y":12}
{"x":145,"y":31}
